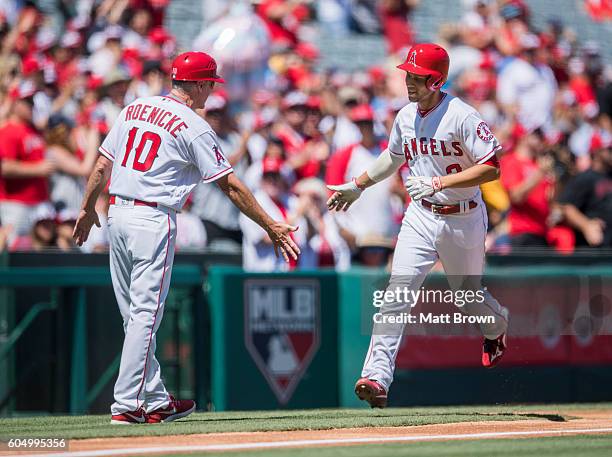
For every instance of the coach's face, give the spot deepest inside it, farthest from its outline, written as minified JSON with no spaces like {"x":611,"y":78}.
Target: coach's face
{"x":203,"y":90}
{"x":417,"y":87}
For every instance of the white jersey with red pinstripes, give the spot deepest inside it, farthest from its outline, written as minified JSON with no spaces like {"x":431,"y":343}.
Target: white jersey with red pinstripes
{"x":449,"y":138}
{"x":160,"y":150}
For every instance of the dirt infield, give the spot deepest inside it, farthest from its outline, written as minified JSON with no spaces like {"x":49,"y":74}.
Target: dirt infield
{"x":544,"y":423}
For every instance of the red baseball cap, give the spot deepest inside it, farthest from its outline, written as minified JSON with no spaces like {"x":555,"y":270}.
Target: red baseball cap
{"x":377,"y":74}
{"x":314,"y":102}
{"x":272,"y":164}
{"x":307,"y":51}
{"x":160,"y":35}
{"x":362,"y":113}
{"x":30,"y":65}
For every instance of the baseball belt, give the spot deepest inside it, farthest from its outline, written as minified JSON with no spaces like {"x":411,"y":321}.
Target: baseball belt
{"x":446,"y":209}
{"x":112,"y":200}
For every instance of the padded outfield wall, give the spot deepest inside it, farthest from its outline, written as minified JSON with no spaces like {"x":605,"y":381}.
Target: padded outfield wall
{"x":233,"y":340}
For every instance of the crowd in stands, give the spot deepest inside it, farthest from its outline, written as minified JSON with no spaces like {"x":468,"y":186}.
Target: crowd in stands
{"x":289,"y":126}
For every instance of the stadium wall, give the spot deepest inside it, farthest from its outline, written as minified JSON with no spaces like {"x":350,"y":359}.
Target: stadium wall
{"x":268,"y":341}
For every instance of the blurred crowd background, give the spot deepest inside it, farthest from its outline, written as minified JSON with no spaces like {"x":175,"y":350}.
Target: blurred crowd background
{"x":290,"y":124}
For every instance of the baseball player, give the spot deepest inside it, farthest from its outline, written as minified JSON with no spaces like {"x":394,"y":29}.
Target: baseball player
{"x":156,"y":153}
{"x":450,"y":151}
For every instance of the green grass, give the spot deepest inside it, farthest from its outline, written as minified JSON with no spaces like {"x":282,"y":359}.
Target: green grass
{"x":75,"y":427}
{"x":565,"y":446}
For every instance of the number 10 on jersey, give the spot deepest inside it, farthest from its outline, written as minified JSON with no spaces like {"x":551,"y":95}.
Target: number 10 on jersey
{"x":150,"y":139}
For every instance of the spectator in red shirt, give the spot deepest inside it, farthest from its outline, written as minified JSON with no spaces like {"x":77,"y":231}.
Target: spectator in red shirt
{"x":526,"y":173}
{"x":394,"y":16}
{"x":24,"y":170}
{"x":305,"y":150}
{"x":282,"y":18}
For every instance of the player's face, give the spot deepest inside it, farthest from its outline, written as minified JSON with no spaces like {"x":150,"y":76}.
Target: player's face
{"x":417,"y":87}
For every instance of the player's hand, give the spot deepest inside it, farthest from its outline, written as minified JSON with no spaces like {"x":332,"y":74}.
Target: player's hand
{"x":86,"y":220}
{"x":594,"y":232}
{"x":422,"y":186}
{"x":344,"y":195}
{"x":279,"y":233}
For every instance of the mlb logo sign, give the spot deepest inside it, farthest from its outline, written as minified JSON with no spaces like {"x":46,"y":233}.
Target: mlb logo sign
{"x":282,"y":330}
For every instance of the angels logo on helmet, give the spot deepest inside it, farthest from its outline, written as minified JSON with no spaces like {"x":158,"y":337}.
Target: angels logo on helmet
{"x":412,"y":58}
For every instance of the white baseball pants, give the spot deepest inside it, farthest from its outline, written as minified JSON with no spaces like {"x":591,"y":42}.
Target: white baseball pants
{"x":458,"y":242}
{"x":142,"y":243}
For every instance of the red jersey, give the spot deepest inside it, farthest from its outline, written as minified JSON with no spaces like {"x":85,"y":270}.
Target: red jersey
{"x":530,"y":215}
{"x":285,"y":31}
{"x":294,"y":143}
{"x":19,"y":141}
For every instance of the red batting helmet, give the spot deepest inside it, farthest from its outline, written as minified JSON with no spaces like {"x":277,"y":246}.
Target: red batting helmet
{"x":428,"y":59}
{"x":195,"y":66}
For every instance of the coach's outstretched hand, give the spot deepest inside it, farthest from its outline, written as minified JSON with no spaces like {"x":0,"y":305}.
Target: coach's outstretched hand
{"x":83,"y":225}
{"x":344,"y":195}
{"x":280,"y":234}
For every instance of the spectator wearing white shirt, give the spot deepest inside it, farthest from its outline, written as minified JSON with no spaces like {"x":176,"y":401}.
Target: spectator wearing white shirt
{"x":526,"y":88}
{"x":274,"y":149}
{"x":106,"y":50}
{"x":257,"y":248}
{"x":190,"y":231}
{"x":478,"y":24}
{"x":97,"y":241}
{"x":372,"y":215}
{"x":210,"y":204}
{"x":323,"y":246}
{"x":346,"y":132}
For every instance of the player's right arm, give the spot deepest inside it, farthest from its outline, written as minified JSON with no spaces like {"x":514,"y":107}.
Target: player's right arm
{"x":88,"y":216}
{"x":345,"y":194}
{"x":387,"y":163}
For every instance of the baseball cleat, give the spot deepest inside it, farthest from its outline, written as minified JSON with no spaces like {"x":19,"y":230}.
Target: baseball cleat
{"x":176,"y":409}
{"x":129,"y":418}
{"x":493,"y":350}
{"x":372,"y":392}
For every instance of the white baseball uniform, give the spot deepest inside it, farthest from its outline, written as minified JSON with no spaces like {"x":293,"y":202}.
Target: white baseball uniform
{"x":448,"y":138}
{"x":160,"y":150}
